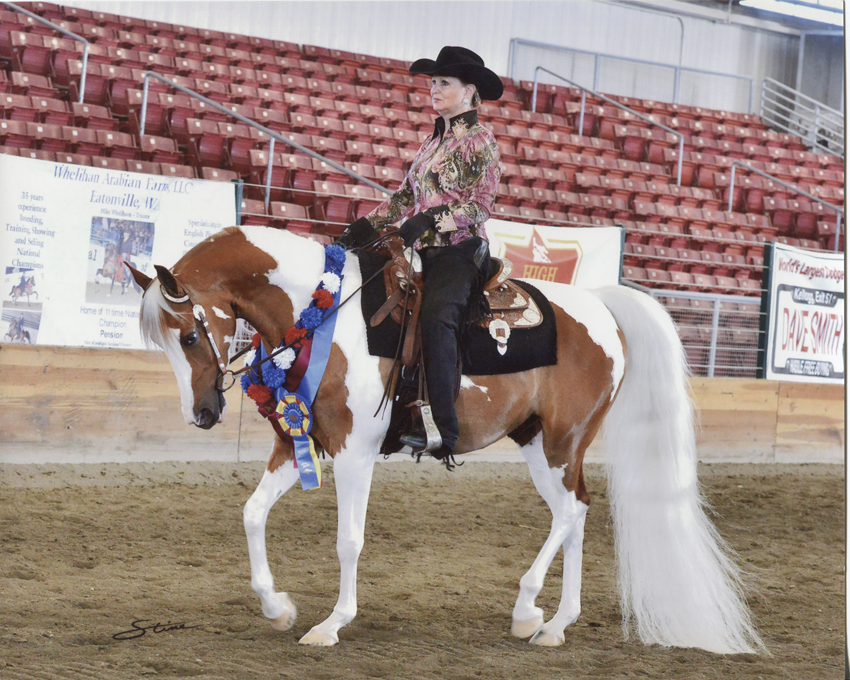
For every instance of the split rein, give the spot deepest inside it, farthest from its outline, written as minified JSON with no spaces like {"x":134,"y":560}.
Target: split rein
{"x":199,"y":314}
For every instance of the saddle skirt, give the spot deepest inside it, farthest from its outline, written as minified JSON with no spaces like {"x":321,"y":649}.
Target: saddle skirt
{"x":511,"y":306}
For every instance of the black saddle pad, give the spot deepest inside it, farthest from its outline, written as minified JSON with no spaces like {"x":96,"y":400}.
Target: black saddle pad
{"x":527,"y":348}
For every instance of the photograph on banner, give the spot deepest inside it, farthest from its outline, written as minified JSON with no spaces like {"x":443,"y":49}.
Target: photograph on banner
{"x":114,"y":242}
{"x":806,"y":322}
{"x":23,"y":285}
{"x":21,"y":325}
{"x":585,"y":257}
{"x":68,"y":232}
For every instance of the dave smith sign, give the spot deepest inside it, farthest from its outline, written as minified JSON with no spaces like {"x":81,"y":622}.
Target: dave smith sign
{"x":587,"y":257}
{"x":806,"y":337}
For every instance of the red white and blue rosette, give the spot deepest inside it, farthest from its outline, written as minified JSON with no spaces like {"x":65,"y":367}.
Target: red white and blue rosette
{"x":296,"y":419}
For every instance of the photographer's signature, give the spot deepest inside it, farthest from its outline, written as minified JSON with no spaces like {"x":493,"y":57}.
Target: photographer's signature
{"x":138,"y":630}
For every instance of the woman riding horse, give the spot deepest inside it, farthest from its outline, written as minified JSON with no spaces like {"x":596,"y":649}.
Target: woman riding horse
{"x":449,"y":191}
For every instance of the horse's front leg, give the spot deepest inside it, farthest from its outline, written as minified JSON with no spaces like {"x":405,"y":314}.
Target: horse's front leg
{"x":353,"y":479}
{"x":276,"y":481}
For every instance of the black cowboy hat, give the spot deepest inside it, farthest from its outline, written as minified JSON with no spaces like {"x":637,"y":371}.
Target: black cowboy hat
{"x":464,"y":64}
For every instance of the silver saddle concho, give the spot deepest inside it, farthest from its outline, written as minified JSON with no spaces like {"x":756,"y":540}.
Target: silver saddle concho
{"x":510,"y":306}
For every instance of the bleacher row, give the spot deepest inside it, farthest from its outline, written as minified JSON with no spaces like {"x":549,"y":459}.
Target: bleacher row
{"x":368,"y":114}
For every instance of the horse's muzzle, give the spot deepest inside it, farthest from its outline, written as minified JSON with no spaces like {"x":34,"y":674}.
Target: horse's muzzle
{"x":207,"y":417}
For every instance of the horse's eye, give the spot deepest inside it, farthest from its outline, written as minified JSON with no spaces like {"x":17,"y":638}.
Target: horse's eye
{"x":189,"y":339}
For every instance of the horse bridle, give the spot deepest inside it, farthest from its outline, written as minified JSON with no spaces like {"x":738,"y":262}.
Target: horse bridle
{"x":200,"y":316}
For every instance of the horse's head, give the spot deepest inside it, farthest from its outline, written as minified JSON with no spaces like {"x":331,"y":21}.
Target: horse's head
{"x":169,"y":321}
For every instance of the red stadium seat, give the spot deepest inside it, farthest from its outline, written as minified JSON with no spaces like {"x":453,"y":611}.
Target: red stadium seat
{"x":293,"y":217}
{"x":109,"y":163}
{"x":175,"y":170}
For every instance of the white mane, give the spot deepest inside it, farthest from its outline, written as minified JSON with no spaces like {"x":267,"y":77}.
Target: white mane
{"x":152,"y":319}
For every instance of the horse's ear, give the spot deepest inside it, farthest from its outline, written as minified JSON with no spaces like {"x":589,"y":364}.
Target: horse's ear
{"x":142,"y":279}
{"x":166,"y":278}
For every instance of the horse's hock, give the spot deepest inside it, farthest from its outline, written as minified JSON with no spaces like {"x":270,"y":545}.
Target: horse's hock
{"x":65,"y":404}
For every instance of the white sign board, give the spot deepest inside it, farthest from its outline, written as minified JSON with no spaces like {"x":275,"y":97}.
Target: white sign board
{"x":66,"y":232}
{"x":805,"y":334}
{"x":588,"y":257}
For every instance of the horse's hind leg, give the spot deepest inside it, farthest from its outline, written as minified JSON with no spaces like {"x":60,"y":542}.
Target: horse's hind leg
{"x":567,"y":531}
{"x":276,"y":481}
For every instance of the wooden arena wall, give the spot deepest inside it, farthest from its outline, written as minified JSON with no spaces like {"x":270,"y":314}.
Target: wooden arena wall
{"x":62,"y":404}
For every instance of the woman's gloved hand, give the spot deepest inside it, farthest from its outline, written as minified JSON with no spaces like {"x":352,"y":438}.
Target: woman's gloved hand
{"x":416,"y":226}
{"x":357,"y":234}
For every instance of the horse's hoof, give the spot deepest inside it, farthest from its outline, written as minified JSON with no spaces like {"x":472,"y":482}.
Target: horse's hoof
{"x":525,"y":629}
{"x":544,"y":639}
{"x":318,"y":639}
{"x":284,"y":622}
{"x":290,"y":612}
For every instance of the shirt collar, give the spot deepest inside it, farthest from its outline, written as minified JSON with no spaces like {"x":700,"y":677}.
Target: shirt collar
{"x":470,"y":118}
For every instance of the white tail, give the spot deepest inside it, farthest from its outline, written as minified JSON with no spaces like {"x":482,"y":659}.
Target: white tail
{"x":679,"y":585}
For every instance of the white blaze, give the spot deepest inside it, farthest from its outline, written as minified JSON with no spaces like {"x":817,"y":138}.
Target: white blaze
{"x":183,"y":372}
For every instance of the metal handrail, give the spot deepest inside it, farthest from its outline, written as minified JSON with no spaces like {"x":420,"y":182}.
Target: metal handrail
{"x":586,"y":90}
{"x":677,"y":70}
{"x":252,"y":123}
{"x":839,"y":211}
{"x":44,"y":21}
{"x":794,"y":112}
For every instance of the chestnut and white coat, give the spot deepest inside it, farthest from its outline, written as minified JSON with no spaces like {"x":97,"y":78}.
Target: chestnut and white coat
{"x":619,"y":360}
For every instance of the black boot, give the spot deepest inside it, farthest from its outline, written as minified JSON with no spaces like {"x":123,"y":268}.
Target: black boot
{"x":449,"y":275}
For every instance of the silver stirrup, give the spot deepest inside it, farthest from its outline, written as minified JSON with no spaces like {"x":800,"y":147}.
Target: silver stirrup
{"x":433,"y":440}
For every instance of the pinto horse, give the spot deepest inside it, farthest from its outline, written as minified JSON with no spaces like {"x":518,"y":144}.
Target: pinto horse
{"x":619,"y":359}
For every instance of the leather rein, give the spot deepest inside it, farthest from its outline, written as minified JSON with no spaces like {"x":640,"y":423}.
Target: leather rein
{"x":200,"y":316}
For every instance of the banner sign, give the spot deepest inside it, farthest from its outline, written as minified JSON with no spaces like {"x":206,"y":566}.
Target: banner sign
{"x":805,"y":315}
{"x":588,"y":257}
{"x":67,"y":231}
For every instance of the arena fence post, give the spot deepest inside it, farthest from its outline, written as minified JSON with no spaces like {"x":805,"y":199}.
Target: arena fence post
{"x":240,"y":187}
{"x":269,"y":167}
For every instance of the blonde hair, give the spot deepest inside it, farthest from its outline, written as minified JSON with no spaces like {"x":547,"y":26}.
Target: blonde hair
{"x":475,"y":101}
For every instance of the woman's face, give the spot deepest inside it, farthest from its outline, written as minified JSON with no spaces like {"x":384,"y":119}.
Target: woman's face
{"x":448,"y":95}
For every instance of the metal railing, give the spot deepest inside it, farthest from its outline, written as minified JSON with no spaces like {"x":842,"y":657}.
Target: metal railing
{"x":720,"y":333}
{"x":839,"y":211}
{"x":598,"y":57}
{"x":252,"y":123}
{"x":61,"y":30}
{"x":791,"y":111}
{"x":585,"y":91}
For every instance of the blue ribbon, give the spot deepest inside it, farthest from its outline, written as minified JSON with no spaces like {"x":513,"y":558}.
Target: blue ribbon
{"x":306,"y":459}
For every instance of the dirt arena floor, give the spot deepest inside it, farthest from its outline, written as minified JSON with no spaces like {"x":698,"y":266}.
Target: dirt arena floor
{"x":90,"y":549}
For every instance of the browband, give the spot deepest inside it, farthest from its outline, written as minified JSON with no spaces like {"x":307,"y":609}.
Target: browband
{"x":171,"y":298}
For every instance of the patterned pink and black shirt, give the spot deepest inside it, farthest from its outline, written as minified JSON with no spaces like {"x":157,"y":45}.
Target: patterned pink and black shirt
{"x":454,"y":177}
